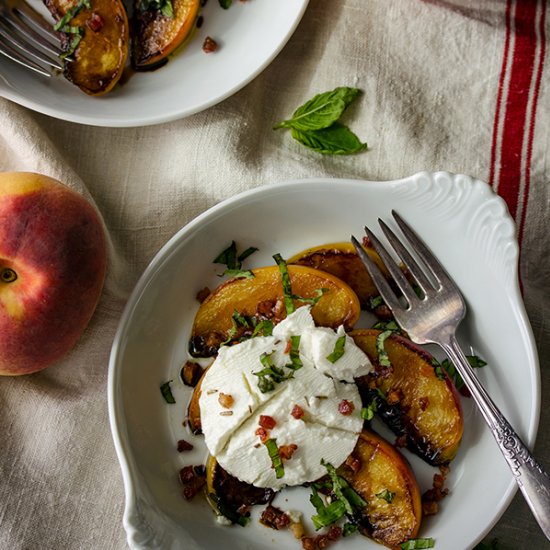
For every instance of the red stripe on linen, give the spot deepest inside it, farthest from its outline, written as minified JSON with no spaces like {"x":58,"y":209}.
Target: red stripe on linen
{"x":538,"y":80}
{"x":514,"y":128}
{"x":496,"y":124}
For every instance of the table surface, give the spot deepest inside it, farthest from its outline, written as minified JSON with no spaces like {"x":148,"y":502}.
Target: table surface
{"x":448,"y":85}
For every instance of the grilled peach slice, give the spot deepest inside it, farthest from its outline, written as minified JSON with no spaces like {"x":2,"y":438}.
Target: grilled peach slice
{"x":100,"y":56}
{"x":227,"y":494}
{"x":341,"y":260}
{"x":262,"y":297}
{"x":420,"y":404}
{"x":158,"y":28}
{"x":384,"y":479}
{"x":193,"y":409}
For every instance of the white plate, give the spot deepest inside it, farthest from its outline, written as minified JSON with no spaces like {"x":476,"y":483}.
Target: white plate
{"x":250,"y":35}
{"x":465,"y":224}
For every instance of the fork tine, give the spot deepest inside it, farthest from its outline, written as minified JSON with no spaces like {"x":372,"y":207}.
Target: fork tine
{"x":26,"y":48}
{"x":408,"y":261}
{"x":35,"y":20}
{"x":49,"y":42}
{"x":395,"y":271}
{"x":433,"y":265}
{"x":11,"y":53}
{"x":377,"y":277}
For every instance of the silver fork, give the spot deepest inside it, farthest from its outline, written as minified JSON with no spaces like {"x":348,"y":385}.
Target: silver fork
{"x":27,"y":39}
{"x":432,"y":318}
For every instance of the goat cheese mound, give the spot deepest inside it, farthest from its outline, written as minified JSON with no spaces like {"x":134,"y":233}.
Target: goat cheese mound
{"x":323,"y":390}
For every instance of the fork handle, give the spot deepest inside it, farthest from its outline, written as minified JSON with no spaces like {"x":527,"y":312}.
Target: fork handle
{"x":532,"y":480}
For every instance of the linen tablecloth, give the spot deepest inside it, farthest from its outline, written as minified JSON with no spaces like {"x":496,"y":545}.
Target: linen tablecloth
{"x":452,"y":85}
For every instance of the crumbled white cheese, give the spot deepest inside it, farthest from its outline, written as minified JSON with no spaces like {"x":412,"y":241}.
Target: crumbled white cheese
{"x":318,"y":388}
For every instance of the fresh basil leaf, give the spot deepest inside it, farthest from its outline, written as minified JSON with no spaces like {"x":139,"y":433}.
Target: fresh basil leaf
{"x":167,"y":393}
{"x":321,"y":111}
{"x":264,"y":327}
{"x":330,"y":514}
{"x":418,"y":544}
{"x":338,"y":349}
{"x":334,"y":140}
{"x":225,"y":4}
{"x":319,"y":292}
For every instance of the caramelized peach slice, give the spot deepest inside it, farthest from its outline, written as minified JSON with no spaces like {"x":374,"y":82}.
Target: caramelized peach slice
{"x":341,"y":260}
{"x":156,"y":33}
{"x":421,"y":403}
{"x":262,"y":297}
{"x":99,"y":59}
{"x":384,"y":479}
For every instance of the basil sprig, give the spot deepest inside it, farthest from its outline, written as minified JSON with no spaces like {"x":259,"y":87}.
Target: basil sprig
{"x":316,"y":124}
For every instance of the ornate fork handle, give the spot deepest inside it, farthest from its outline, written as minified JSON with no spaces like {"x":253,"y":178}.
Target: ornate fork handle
{"x":532,"y":480}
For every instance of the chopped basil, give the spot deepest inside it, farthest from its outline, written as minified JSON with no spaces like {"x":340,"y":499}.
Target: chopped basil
{"x":417,"y":544}
{"x":387,"y":325}
{"x":295,"y":361}
{"x":367,"y":413}
{"x":348,"y":529}
{"x":383,"y":357}
{"x":287,"y":288}
{"x":386,"y":495}
{"x":71,"y":14}
{"x":228,"y":511}
{"x":475,"y":362}
{"x":77,"y":35}
{"x":345,"y":500}
{"x":288,"y":297}
{"x":164,"y":6}
{"x":338,"y":349}
{"x":234,"y":261}
{"x":225,"y":4}
{"x":237,"y":320}
{"x":270,"y":374}
{"x":374,"y":301}
{"x":264,"y":327}
{"x":167,"y":392}
{"x":239,"y":273}
{"x":276,"y":460}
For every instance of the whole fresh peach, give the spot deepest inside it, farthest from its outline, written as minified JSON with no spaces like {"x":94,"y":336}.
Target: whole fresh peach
{"x":53,"y":258}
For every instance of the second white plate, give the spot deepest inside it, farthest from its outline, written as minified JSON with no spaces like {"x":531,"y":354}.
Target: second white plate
{"x":249,"y":34}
